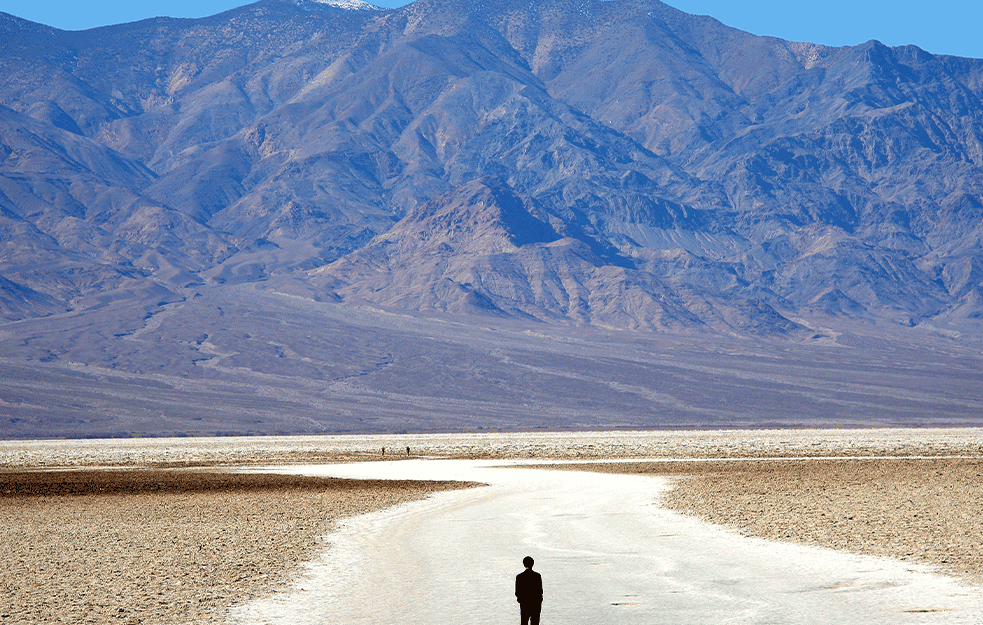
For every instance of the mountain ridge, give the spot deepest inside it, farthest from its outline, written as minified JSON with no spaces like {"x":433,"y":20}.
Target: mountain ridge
{"x":748,"y":172}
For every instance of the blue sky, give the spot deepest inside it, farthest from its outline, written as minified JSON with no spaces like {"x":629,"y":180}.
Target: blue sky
{"x":941,"y":26}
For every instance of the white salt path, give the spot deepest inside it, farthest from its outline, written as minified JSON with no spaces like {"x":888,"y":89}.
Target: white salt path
{"x":607,"y":552}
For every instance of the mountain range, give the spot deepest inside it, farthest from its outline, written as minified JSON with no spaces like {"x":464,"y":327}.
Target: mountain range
{"x":605,"y":165}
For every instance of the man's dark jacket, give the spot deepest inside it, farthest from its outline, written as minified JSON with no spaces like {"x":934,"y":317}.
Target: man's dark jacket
{"x":529,"y":587}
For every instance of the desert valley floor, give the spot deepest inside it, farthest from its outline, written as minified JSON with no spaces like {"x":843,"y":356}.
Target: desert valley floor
{"x":162,"y":531}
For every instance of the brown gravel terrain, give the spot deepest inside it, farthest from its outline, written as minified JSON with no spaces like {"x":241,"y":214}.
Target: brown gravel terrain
{"x":922,"y":510}
{"x":164,"y":547}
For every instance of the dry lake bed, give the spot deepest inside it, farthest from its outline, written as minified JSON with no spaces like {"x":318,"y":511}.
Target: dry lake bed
{"x":161,"y":531}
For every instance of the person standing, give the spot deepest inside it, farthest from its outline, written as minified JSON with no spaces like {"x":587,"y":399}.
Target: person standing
{"x":529,"y":593}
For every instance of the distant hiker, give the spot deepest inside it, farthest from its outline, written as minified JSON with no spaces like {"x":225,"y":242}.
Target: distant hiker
{"x":383,"y":451}
{"x":529,"y":593}
{"x":407,"y":450}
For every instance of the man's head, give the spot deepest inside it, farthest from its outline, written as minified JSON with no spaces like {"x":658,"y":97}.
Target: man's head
{"x":528,"y":562}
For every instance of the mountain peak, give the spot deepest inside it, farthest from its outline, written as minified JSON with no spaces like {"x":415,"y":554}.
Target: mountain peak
{"x":350,"y":5}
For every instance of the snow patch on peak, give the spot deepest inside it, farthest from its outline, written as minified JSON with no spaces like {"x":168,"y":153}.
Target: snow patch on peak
{"x":351,"y":5}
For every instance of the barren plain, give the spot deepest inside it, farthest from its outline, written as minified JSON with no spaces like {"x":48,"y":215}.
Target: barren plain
{"x":158,"y":531}
{"x":240,"y":361}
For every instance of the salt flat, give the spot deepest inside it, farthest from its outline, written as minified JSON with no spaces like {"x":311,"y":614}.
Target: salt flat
{"x":601,"y":540}
{"x":621,"y":444}
{"x":608,"y":552}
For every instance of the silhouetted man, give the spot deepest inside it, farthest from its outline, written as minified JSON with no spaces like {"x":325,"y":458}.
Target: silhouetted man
{"x":529,"y":593}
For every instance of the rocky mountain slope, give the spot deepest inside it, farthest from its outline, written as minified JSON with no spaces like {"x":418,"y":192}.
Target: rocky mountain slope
{"x":614,"y":163}
{"x":301,"y":216}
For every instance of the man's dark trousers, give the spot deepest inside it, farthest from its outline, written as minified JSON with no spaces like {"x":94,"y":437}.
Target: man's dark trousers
{"x":530,"y":612}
